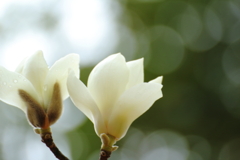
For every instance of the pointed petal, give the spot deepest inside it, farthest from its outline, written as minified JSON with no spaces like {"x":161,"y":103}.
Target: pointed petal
{"x":10,"y":83}
{"x":157,"y":80}
{"x":35,"y":70}
{"x":59,"y":73}
{"x":136,"y":72}
{"x":20,"y":67}
{"x":107,"y":82}
{"x":83,"y":100}
{"x":133,"y":103}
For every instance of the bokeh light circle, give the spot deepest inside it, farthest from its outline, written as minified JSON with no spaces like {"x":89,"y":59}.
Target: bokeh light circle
{"x":167,"y":50}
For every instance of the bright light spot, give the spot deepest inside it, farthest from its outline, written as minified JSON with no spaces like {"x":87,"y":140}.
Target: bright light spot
{"x":20,"y":48}
{"x":89,"y":23}
{"x":84,"y":27}
{"x":4,"y":4}
{"x":85,"y":20}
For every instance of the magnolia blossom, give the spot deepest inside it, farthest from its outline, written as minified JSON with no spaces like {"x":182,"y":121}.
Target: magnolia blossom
{"x":116,"y":94}
{"x":37,"y":89}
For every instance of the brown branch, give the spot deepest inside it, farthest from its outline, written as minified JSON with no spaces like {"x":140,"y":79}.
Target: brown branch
{"x":47,"y":139}
{"x":104,"y":155}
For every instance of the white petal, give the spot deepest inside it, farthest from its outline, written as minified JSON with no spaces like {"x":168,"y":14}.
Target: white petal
{"x":10,"y":83}
{"x":82,"y":99}
{"x":133,"y":103}
{"x":59,"y":72}
{"x":136,"y":72}
{"x":20,"y":67}
{"x":35,"y":70}
{"x":157,"y":80}
{"x":108,"y":81}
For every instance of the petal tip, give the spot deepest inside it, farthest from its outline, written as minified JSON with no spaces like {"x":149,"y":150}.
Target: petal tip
{"x":113,"y":57}
{"x":37,"y":55}
{"x":71,"y":71}
{"x":157,"y":80}
{"x":75,"y":57}
{"x":117,"y":55}
{"x":39,"y":52}
{"x":160,"y":79}
{"x":140,"y":60}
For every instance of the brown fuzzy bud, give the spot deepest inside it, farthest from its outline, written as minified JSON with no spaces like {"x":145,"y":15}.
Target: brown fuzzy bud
{"x":54,"y":110}
{"x":35,"y":113}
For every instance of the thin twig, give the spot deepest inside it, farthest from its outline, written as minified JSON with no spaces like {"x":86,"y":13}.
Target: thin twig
{"x":104,"y":155}
{"x":47,"y":139}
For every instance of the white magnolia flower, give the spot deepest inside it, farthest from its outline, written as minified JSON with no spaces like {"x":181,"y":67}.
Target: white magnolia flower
{"x":37,"y":89}
{"x":116,"y":95}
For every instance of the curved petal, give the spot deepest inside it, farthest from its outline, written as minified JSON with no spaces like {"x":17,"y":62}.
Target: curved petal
{"x":10,"y":83}
{"x":35,"y":70}
{"x":82,"y":99}
{"x":136,"y":72}
{"x":59,"y":73}
{"x":20,"y":67}
{"x":108,"y":81}
{"x":133,"y":103}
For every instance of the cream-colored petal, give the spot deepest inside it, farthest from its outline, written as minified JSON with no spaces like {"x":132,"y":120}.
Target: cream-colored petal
{"x":108,"y":81}
{"x":133,"y":103}
{"x":59,"y":73}
{"x":157,"y":80}
{"x":35,"y":70}
{"x":83,"y":100}
{"x":10,"y":83}
{"x":136,"y":72}
{"x":20,"y":67}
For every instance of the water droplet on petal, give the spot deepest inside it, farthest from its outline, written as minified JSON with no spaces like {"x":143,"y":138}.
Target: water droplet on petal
{"x":15,"y":81}
{"x":4,"y":83}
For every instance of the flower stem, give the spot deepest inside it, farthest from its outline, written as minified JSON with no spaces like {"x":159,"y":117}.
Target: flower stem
{"x":108,"y":146}
{"x":46,"y":136}
{"x":104,"y":155}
